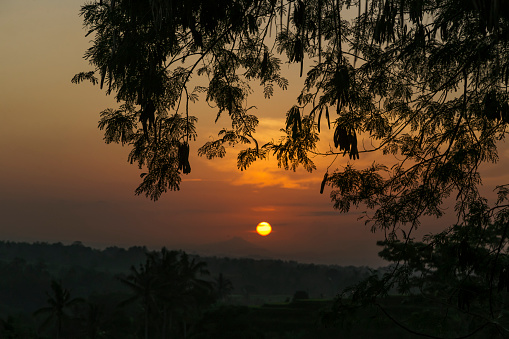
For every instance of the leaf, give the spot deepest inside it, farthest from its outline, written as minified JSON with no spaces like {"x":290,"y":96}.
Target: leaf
{"x":212,"y":149}
{"x":78,"y":78}
{"x":247,"y":156}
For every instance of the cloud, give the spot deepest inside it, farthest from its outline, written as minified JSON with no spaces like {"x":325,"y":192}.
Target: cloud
{"x":333,"y":213}
{"x":262,"y":173}
{"x":268,"y":178}
{"x":263,"y":209}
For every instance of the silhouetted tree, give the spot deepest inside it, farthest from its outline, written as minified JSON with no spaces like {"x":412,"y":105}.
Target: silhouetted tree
{"x":425,"y":80}
{"x":197,"y":293}
{"x":93,"y":321}
{"x":17,"y":327}
{"x":60,"y":302}
{"x":144,"y":285}
{"x":170,"y":289}
{"x":7,"y":329}
{"x":223,"y":287}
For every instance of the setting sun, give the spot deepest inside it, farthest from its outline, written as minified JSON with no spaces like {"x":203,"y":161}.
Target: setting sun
{"x":263,"y":228}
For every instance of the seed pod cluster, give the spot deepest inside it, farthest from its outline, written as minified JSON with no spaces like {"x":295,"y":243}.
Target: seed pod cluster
{"x":264,"y":64}
{"x":147,"y":115}
{"x":293,"y":120}
{"x":346,"y":140}
{"x":320,"y":117}
{"x":183,"y":153}
{"x":495,"y":109}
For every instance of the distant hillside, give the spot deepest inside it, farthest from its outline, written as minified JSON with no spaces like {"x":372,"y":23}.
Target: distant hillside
{"x":58,"y":255}
{"x":27,"y":269}
{"x":235,"y":247}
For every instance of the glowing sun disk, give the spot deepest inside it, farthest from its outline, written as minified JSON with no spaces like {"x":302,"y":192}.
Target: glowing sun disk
{"x":263,"y":228}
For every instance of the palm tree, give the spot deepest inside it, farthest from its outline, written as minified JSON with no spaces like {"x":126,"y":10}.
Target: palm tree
{"x":223,"y":287}
{"x":143,"y":282}
{"x":166,"y":265}
{"x":59,"y":301}
{"x":168,"y":285}
{"x":196,"y":292}
{"x":176,"y":279}
{"x":94,"y":320}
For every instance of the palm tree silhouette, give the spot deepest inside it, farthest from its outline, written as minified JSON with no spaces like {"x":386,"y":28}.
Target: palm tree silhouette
{"x":194,"y":290}
{"x":168,"y":286}
{"x":169,"y":297}
{"x":59,"y":302}
{"x":223,"y":287}
{"x":143,"y":283}
{"x":179,"y":288}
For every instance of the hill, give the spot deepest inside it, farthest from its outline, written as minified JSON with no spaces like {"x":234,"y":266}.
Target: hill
{"x":235,"y":247}
{"x":27,"y":270}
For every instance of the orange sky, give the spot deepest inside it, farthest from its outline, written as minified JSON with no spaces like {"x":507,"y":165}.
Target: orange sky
{"x":60,"y":182}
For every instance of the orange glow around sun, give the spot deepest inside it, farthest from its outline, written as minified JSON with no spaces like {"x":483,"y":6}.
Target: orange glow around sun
{"x":263,"y":228}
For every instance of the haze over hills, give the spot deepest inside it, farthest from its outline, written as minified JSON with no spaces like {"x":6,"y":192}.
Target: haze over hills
{"x":238,"y":247}
{"x":235,"y":247}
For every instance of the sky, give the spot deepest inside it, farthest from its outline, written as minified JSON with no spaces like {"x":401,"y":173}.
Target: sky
{"x":59,"y":181}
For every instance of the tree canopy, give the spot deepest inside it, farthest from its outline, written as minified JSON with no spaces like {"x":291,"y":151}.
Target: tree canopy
{"x":425,"y":80}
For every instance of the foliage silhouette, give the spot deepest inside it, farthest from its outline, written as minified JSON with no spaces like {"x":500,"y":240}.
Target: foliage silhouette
{"x":424,"y":80}
{"x":223,"y":287}
{"x":60,"y":302}
{"x":300,"y":295}
{"x":170,"y":290}
{"x":27,"y":271}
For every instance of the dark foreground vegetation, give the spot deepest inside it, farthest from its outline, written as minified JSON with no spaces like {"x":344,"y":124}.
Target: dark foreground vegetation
{"x":74,"y":291}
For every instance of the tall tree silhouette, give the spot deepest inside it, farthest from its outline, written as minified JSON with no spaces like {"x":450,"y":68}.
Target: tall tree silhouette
{"x":144,"y":285}
{"x":223,"y":287}
{"x":170,"y":290}
{"x":198,"y":292}
{"x":59,"y":303}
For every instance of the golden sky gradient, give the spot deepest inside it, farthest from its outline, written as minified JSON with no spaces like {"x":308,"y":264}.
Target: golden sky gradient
{"x":60,"y":182}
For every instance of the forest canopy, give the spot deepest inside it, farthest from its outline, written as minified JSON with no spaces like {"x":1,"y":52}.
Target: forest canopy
{"x":425,"y":80}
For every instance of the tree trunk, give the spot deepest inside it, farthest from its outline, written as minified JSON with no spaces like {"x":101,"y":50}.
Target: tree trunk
{"x":59,"y":327}
{"x":146,"y":324}
{"x":164,"y":330}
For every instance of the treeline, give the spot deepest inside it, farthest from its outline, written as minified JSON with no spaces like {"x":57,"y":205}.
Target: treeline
{"x":34,"y":274}
{"x":27,"y":269}
{"x":277,"y":277}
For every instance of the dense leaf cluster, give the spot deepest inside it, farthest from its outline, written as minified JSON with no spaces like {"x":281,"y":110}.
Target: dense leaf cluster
{"x":147,"y":52}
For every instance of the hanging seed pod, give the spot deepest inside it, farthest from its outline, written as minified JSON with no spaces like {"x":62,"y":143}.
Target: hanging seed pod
{"x":504,"y":112}
{"x":322,"y":186}
{"x":352,"y":140}
{"x":341,"y":139}
{"x":147,"y":116}
{"x":491,"y":106}
{"x":327,"y":115}
{"x":319,"y":118}
{"x":264,"y":64}
{"x":183,"y":155}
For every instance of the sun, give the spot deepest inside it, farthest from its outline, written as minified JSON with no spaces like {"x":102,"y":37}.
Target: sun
{"x":263,"y":228}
